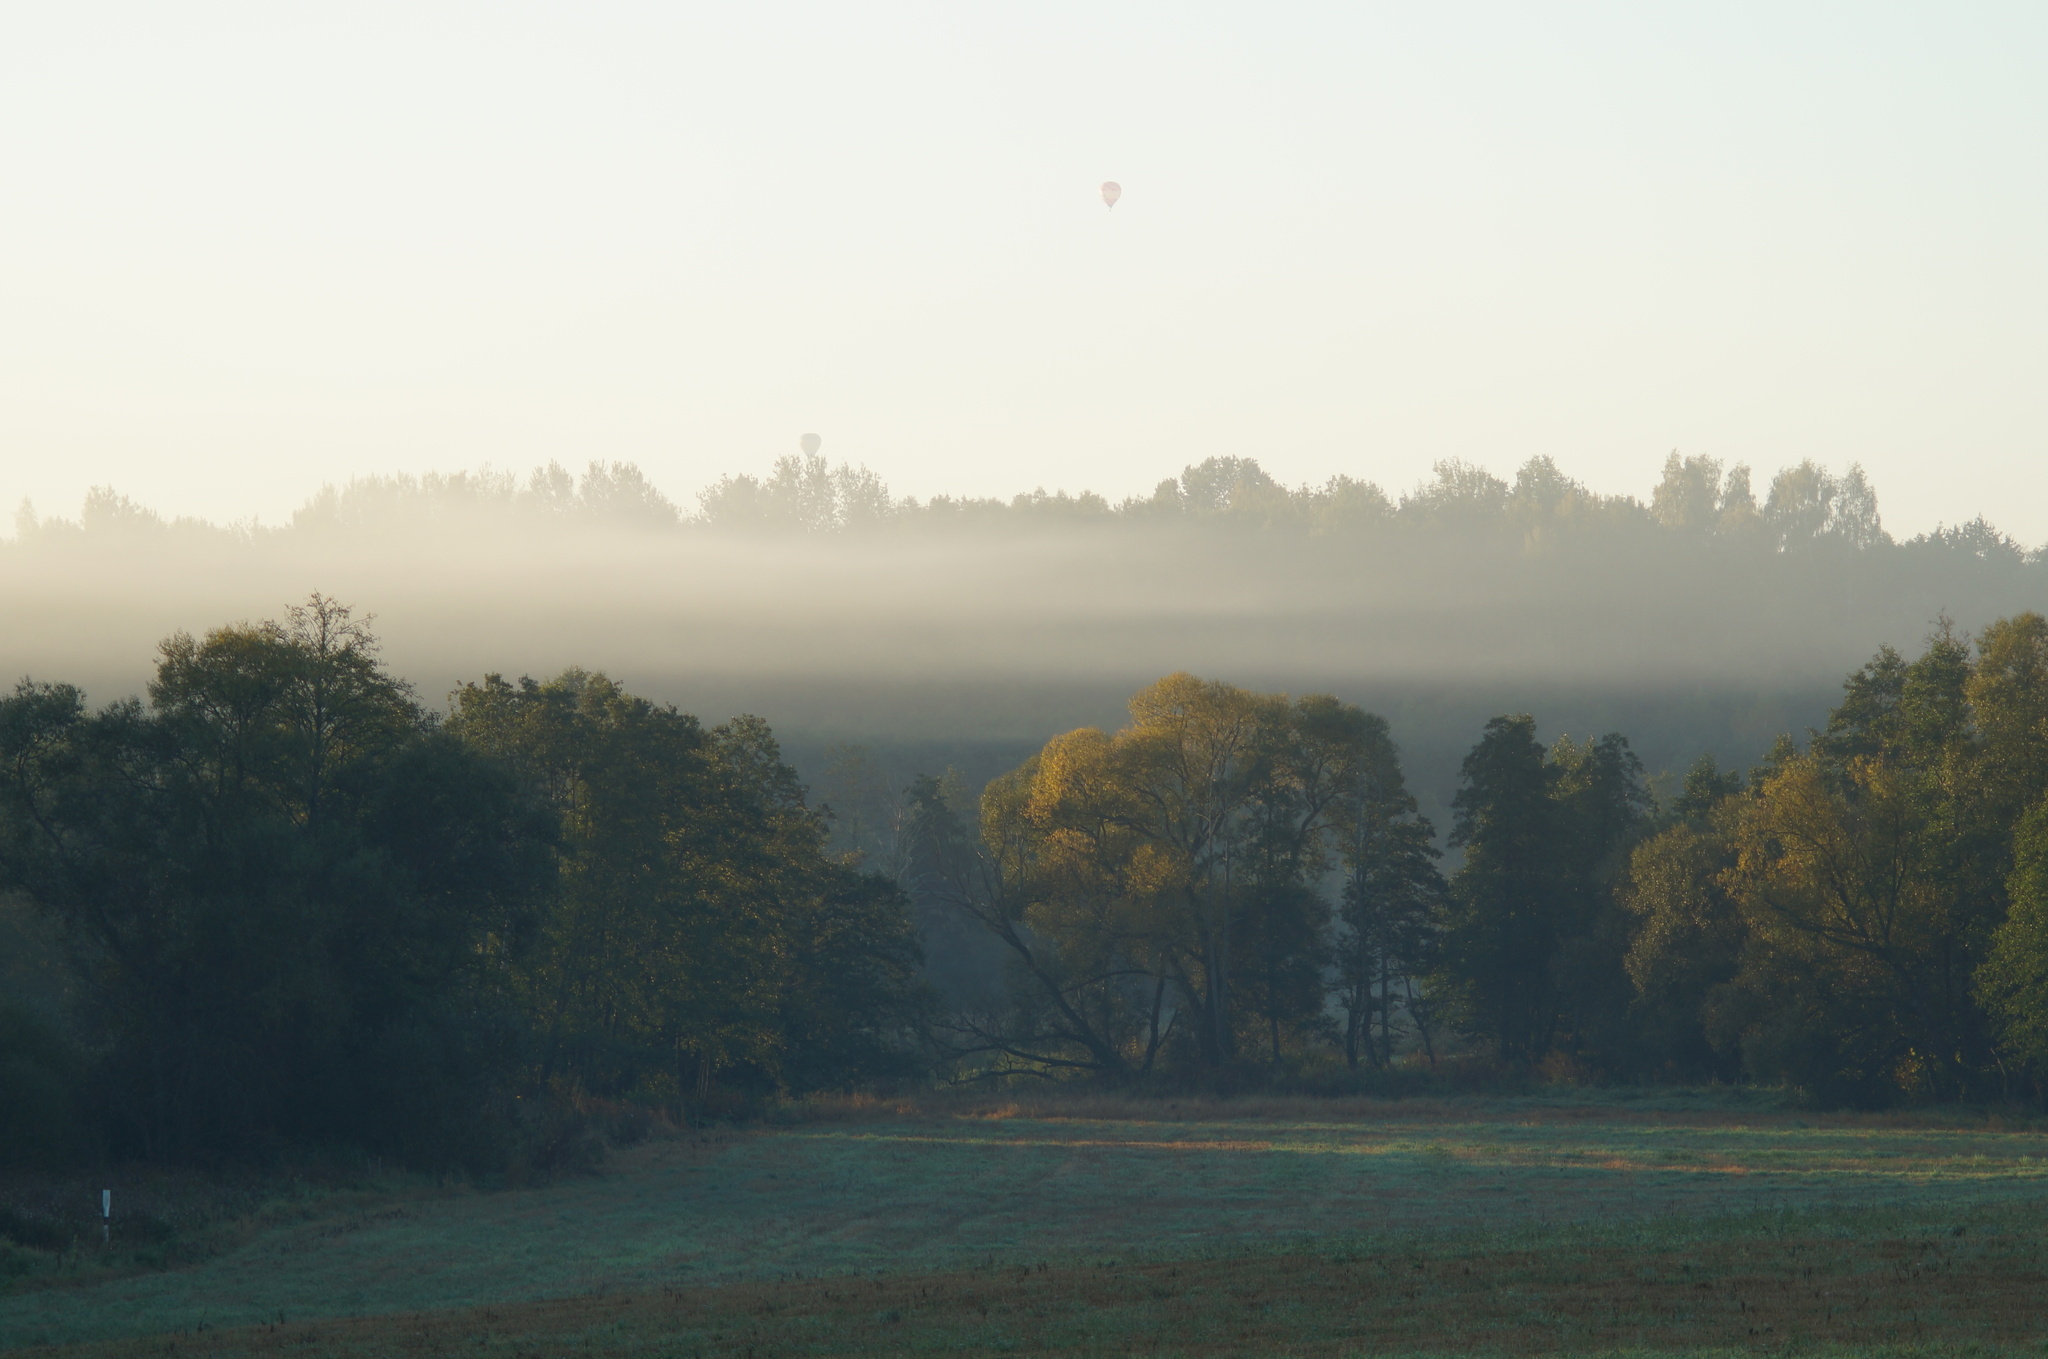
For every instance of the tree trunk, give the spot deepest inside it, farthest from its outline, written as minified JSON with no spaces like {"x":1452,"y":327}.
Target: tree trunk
{"x":1386,"y":1053}
{"x":1153,"y":1037}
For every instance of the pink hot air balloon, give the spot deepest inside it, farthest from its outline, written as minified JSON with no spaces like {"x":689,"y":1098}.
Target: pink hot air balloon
{"x":809,"y":443}
{"x":1111,"y":191}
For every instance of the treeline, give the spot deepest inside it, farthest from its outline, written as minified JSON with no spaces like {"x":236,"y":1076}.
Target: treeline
{"x":295,"y":907}
{"x":300,"y":909}
{"x":1696,"y":498}
{"x":1236,"y":877}
{"x":1751,"y":596}
{"x":1867,"y":917}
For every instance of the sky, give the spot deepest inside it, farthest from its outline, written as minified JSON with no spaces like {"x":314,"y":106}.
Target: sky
{"x":248,"y":249}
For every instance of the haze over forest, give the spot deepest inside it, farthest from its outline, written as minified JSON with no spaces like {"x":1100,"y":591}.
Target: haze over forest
{"x":1233,"y":719}
{"x":1719,"y":612}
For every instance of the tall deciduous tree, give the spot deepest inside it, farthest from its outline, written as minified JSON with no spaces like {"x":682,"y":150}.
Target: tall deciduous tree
{"x":1878,"y":890}
{"x":1688,"y":937}
{"x":2013,"y":982}
{"x":696,"y":925}
{"x":1870,"y":875}
{"x":1392,"y":891}
{"x":1167,"y":879}
{"x":293,"y":898}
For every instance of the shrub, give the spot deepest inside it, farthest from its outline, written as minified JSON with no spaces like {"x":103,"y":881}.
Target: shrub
{"x":39,"y":1074}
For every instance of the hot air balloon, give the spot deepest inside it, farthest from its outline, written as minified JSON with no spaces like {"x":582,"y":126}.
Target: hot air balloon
{"x":809,"y":443}
{"x":1111,"y":191}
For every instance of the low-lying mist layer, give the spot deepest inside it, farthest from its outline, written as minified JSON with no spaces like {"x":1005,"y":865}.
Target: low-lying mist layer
{"x":1712,"y":613}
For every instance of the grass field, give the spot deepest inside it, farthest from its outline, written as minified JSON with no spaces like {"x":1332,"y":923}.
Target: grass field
{"x":1158,"y":1227}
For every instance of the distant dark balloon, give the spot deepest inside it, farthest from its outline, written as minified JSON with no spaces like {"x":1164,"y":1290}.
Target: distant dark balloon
{"x":1111,"y":191}
{"x":810,"y":444}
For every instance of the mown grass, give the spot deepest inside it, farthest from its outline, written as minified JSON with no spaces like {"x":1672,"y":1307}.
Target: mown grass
{"x":1851,"y":1287}
{"x":1167,"y":1227}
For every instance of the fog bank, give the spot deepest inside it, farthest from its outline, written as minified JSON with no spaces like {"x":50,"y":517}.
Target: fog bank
{"x":1711,"y":617}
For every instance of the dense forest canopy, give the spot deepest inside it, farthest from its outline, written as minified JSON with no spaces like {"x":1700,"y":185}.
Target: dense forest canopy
{"x":279,"y":902}
{"x":1239,"y":877}
{"x":301,"y":909}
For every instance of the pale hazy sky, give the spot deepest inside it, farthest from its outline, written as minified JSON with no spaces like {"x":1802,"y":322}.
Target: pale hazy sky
{"x":248,"y":249}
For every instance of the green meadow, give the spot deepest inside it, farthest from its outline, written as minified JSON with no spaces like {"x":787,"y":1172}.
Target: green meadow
{"x":1162,"y":1227}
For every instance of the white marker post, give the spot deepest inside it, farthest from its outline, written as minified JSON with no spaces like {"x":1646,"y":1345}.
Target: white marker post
{"x":106,"y":1216}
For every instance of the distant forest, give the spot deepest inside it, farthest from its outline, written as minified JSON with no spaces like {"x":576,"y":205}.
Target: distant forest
{"x":1804,"y":507}
{"x":1716,"y":614}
